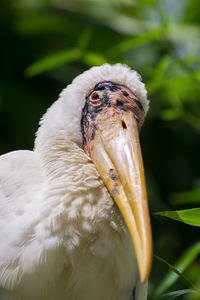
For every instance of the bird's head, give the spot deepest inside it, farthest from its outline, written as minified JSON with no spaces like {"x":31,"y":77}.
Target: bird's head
{"x":102,"y":112}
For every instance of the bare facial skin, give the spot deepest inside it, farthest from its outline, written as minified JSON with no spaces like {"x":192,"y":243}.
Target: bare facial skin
{"x":103,"y":101}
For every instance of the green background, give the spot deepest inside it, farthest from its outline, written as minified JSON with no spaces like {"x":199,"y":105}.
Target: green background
{"x":46,"y":43}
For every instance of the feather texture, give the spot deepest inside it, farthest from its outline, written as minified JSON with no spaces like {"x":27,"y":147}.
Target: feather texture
{"x":62,"y":236}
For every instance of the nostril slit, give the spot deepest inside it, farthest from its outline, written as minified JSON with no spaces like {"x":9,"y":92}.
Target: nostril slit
{"x":124,"y":124}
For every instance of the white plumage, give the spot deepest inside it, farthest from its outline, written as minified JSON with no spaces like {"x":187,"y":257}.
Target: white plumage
{"x":61,"y":232}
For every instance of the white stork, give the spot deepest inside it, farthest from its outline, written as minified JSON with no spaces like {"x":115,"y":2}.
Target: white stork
{"x":72,"y":209}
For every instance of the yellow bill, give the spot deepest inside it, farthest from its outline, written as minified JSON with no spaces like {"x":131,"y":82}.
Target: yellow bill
{"x":117,"y":156}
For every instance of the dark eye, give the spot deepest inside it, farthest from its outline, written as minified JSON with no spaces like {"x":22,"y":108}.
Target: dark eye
{"x":95,"y":96}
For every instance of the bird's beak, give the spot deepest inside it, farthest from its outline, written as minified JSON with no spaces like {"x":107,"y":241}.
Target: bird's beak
{"x":116,"y":153}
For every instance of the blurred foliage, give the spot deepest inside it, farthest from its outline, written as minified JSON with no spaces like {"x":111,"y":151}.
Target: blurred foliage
{"x":46,"y":43}
{"x":175,"y":272}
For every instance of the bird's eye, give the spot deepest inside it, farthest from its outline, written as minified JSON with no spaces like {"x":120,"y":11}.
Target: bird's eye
{"x":95,"y":96}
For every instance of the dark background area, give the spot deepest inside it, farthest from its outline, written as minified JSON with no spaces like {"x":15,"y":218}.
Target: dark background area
{"x":46,"y":43}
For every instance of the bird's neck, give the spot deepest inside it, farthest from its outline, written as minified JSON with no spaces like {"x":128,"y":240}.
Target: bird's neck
{"x":81,"y":208}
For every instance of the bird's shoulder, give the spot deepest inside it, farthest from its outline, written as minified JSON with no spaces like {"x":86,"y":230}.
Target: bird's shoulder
{"x":21,"y":189}
{"x":21,"y":185}
{"x":20,"y":175}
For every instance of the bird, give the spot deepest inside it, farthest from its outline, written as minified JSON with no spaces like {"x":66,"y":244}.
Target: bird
{"x":74,"y":214}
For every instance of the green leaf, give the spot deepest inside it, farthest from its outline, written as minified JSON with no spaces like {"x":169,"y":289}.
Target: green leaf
{"x":159,"y":74}
{"x":137,"y":41}
{"x":177,"y":293}
{"x":94,"y":59}
{"x":53,"y":61}
{"x":186,"y":197}
{"x":197,"y":74}
{"x":84,"y":39}
{"x":174,"y":269}
{"x":41,"y":23}
{"x":187,"y":216}
{"x":170,"y":114}
{"x":180,"y":266}
{"x":147,"y":2}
